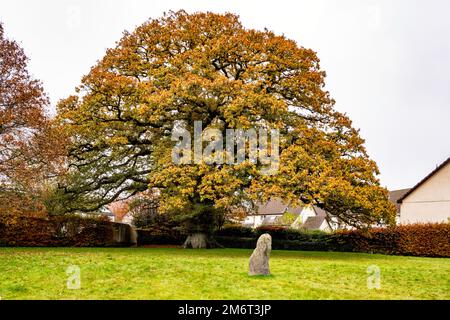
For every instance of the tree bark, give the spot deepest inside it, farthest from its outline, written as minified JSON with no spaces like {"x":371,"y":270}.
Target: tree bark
{"x":200,"y":241}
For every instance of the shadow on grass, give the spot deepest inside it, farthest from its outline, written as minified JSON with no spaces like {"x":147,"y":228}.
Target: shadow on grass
{"x":260,"y":277}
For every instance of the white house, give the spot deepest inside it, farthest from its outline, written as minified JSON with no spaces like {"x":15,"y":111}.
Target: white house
{"x":306,"y":217}
{"x":428,"y":200}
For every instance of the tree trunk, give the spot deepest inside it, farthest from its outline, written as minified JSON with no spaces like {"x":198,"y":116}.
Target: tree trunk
{"x":200,"y":241}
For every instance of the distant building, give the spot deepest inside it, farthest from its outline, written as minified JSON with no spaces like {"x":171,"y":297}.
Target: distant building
{"x":428,"y":200}
{"x":395,"y":195}
{"x":306,"y":217}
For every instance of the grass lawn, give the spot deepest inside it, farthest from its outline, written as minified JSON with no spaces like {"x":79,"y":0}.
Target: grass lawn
{"x":170,"y":273}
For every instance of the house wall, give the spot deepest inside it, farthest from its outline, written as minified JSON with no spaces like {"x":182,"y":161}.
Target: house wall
{"x":306,"y":213}
{"x":253,"y":220}
{"x":430,"y":202}
{"x":325,"y":227}
{"x":257,"y":220}
{"x":297,"y":222}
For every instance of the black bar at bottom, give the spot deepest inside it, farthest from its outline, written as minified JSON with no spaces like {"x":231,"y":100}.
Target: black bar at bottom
{"x":221,"y":309}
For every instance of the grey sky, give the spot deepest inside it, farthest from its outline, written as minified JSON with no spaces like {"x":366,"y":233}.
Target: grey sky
{"x":388,"y":62}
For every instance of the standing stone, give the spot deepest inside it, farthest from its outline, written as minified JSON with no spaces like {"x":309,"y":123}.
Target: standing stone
{"x":259,"y":260}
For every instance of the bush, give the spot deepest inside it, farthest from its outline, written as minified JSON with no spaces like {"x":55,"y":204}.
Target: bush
{"x":156,"y":237}
{"x":162,"y":229}
{"x":431,"y":240}
{"x":299,"y":245}
{"x":277,"y":232}
{"x":236,"y":242}
{"x":235,"y":230}
{"x":250,"y":243}
{"x":61,"y":231}
{"x":318,"y":235}
{"x":283,"y":233}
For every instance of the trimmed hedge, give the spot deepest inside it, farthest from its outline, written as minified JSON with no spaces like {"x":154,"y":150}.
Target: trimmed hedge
{"x":277,"y":232}
{"x":236,"y":242}
{"x":235,"y":230}
{"x":151,"y":236}
{"x":277,"y":244}
{"x":73,"y":231}
{"x":428,"y":240}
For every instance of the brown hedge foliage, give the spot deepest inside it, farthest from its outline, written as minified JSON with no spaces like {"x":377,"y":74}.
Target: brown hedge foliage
{"x":428,"y":240}
{"x":55,"y":231}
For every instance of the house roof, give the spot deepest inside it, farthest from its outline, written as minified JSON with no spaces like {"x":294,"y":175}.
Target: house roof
{"x":320,"y":212}
{"x":395,"y":195}
{"x":276,"y":206}
{"x":313,"y":223}
{"x":421,"y":182}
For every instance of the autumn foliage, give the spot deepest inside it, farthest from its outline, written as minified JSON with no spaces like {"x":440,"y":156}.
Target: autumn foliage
{"x":119,"y":209}
{"x":57,"y":231}
{"x":31,"y":146}
{"x":208,"y":67}
{"x":427,"y":239}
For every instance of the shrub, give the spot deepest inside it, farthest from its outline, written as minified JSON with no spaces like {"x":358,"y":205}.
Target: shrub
{"x":283,"y":233}
{"x":287,"y":219}
{"x":426,"y":240}
{"x":236,"y":242}
{"x":277,"y":232}
{"x":156,"y":237}
{"x":162,"y":224}
{"x":161,"y":229}
{"x":299,"y":245}
{"x":236,"y":230}
{"x":431,"y":240}
{"x":60,"y":231}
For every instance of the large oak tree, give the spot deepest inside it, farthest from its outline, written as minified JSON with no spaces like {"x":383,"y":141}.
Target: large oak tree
{"x":207,"y":67}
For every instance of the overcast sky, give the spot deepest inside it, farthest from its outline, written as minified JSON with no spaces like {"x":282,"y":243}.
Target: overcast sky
{"x":387,"y":62}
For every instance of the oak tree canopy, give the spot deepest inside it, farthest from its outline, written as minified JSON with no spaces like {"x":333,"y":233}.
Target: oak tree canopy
{"x":208,"y":67}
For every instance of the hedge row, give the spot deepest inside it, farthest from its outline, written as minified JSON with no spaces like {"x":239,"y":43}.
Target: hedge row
{"x":229,"y":235}
{"x":149,"y":236}
{"x":277,"y":244}
{"x":431,"y":240}
{"x":277,"y":232}
{"x":62,"y":231}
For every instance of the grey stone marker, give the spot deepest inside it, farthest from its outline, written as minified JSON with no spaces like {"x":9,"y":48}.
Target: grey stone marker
{"x":259,"y":260}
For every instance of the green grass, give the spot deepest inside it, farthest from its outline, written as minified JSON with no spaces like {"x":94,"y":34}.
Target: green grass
{"x":143,"y":273}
